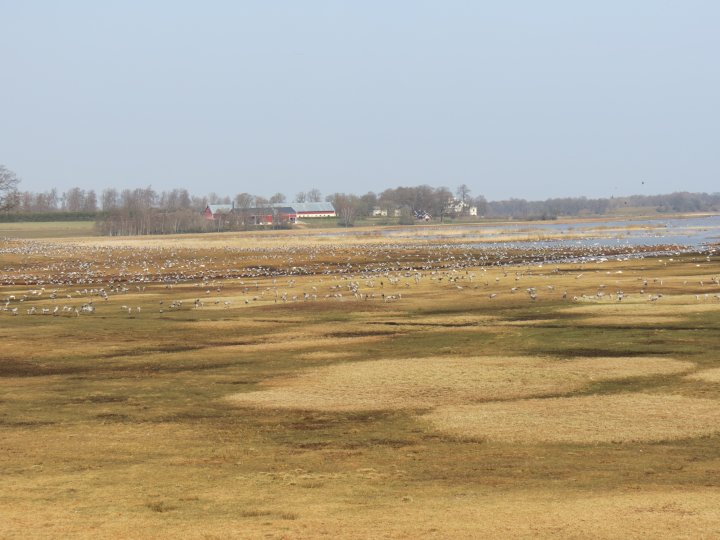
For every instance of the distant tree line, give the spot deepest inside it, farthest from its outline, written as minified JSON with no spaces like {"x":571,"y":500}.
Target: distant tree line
{"x":142,"y":211}
{"x":145,"y":211}
{"x":577,"y":206}
{"x":73,"y":200}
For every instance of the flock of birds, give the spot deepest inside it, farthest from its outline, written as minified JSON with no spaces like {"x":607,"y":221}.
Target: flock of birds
{"x":74,"y":280}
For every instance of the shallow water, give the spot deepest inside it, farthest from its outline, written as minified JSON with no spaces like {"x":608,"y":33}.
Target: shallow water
{"x":687,"y":232}
{"x":693,"y":232}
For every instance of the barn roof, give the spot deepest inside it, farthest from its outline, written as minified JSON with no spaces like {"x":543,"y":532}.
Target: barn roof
{"x":309,"y":207}
{"x":220,"y":208}
{"x":281,"y":208}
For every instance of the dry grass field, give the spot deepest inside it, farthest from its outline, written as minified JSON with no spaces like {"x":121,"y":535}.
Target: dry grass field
{"x":314,"y":384}
{"x":47,"y":229}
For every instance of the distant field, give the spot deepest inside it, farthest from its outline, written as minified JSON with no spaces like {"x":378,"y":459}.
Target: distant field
{"x":305,"y":384}
{"x":48,"y":229}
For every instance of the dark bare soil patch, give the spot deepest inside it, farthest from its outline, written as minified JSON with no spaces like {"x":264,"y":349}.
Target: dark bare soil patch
{"x":360,"y":333}
{"x":18,"y":368}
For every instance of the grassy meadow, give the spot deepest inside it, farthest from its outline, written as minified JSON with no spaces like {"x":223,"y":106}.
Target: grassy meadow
{"x":304,"y":386}
{"x":47,"y":229}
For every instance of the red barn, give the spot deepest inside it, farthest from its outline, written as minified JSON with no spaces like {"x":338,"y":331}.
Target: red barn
{"x":214,"y":211}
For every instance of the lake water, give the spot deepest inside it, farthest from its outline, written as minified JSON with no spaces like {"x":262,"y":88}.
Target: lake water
{"x":688,"y":233}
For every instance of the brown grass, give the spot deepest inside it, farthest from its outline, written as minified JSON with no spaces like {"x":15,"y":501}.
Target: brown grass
{"x":679,"y":514}
{"x":586,"y":419}
{"x":647,"y":513}
{"x":430,"y":382}
{"x":637,"y":320}
{"x":666,"y":307}
{"x":707,"y":375}
{"x":117,"y":426}
{"x":325,"y":355}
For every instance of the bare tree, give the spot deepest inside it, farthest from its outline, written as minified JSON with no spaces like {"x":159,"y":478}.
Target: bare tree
{"x":368,"y":202}
{"x":110,"y":199}
{"x":52,"y":199}
{"x":26,"y":201}
{"x":243,"y":203}
{"x":74,"y":200}
{"x":79,"y":200}
{"x":346,"y":207}
{"x":184,"y":201}
{"x":300,"y":197}
{"x":244,"y":200}
{"x":8,"y":188}
{"x":277,"y":198}
{"x":198,"y":202}
{"x":441,"y":198}
{"x":463,"y":193}
{"x":214,"y":198}
{"x":347,"y":215}
{"x":481,"y":204}
{"x":90,"y":204}
{"x":37,"y":202}
{"x":463,"y":196}
{"x":314,"y":195}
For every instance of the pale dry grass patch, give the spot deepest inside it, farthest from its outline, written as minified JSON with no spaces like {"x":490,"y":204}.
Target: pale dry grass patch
{"x":391,"y":315}
{"x":583,"y":420}
{"x":308,"y":238}
{"x":624,"y":320}
{"x":30,"y":389}
{"x":430,"y":382}
{"x":707,"y":375}
{"x":648,"y":513}
{"x":31,"y":351}
{"x":256,"y":344}
{"x":654,"y":309}
{"x":454,"y":320}
{"x":681,"y":513}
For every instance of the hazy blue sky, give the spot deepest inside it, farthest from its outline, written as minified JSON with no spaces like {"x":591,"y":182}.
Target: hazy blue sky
{"x":516,"y":99}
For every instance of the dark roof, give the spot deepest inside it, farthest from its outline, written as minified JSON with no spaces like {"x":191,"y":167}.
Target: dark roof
{"x":271,"y":208}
